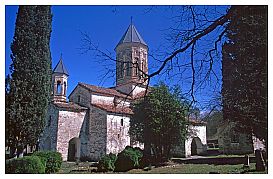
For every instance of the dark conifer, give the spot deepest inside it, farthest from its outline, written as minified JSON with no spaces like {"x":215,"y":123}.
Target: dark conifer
{"x":245,"y":70}
{"x":30,"y":83}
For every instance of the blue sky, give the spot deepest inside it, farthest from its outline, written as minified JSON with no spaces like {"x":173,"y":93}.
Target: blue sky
{"x":105,"y":25}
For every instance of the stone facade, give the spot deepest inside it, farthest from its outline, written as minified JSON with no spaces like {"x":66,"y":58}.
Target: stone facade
{"x":117,"y":133}
{"x":69,"y":127}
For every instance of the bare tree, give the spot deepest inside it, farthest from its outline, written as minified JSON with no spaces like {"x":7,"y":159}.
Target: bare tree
{"x":191,"y":55}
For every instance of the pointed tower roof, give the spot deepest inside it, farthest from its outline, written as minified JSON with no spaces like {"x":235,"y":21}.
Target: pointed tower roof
{"x":60,"y":68}
{"x":131,"y":35}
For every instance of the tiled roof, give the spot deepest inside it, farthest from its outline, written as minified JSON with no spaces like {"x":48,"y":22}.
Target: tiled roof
{"x":131,"y":35}
{"x":69,"y":106}
{"x":114,"y":109}
{"x":105,"y":91}
{"x":60,"y":68}
{"x":197,"y":122}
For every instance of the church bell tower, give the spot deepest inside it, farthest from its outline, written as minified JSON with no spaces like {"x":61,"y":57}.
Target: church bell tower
{"x":59,"y":82}
{"x":131,"y":62}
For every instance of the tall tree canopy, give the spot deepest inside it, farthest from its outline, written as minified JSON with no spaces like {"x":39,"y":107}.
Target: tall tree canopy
{"x":159,"y":119}
{"x":30,"y":83}
{"x":245,"y":70}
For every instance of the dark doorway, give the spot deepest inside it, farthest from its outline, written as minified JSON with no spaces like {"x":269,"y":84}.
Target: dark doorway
{"x":193,"y":148}
{"x":73,"y":149}
{"x":196,"y":146}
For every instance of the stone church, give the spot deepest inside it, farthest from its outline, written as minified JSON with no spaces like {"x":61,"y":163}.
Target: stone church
{"x":95,"y":121}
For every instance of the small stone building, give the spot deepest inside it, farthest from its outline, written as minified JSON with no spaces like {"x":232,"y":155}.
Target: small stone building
{"x":196,"y":141}
{"x":229,"y":141}
{"x":95,"y":120}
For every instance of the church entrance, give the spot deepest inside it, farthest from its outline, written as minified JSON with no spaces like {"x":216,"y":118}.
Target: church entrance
{"x":196,"y":146}
{"x":73,"y":149}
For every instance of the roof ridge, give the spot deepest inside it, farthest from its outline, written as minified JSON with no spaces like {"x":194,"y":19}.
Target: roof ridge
{"x":103,"y":90}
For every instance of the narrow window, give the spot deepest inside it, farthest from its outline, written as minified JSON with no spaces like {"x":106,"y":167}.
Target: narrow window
{"x":128,"y":69}
{"x":142,"y":67}
{"x":136,"y":66}
{"x":121,"y":122}
{"x":79,"y":99}
{"x":64,"y":88}
{"x":118,"y":136}
{"x":121,"y":69}
{"x":59,"y":87}
{"x":118,"y":71}
{"x":49,"y":121}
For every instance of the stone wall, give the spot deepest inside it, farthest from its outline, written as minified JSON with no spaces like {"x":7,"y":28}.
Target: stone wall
{"x":48,"y":140}
{"x":244,"y":144}
{"x":98,"y":99}
{"x":69,"y":126}
{"x":117,"y":133}
{"x":84,"y":137}
{"x":97,"y":133}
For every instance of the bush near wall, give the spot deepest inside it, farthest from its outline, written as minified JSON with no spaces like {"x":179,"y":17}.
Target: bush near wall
{"x":107,"y":163}
{"x":28,"y":164}
{"x":51,"y":160}
{"x":128,"y":159}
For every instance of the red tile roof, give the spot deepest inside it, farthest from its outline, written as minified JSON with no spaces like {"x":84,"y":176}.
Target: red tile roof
{"x":69,"y":106}
{"x":114,"y":109}
{"x":105,"y":91}
{"x":197,"y":122}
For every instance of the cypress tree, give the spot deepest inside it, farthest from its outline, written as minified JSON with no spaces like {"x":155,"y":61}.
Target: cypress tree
{"x":30,"y":83}
{"x":245,"y":70}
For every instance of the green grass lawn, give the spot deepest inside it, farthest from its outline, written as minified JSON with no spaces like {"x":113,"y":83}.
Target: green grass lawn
{"x":196,"y":169}
{"x":171,"y":168}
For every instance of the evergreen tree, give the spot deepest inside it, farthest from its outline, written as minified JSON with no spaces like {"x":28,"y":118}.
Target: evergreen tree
{"x":245,"y":70}
{"x":30,"y":83}
{"x":159,"y":120}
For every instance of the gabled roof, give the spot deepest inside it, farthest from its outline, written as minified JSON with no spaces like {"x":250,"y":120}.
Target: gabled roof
{"x":131,"y":35}
{"x":104,"y":91}
{"x":69,"y":106}
{"x":60,"y":68}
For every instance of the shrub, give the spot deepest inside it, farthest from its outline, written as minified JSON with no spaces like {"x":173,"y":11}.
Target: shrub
{"x":107,"y":163}
{"x":128,"y":159}
{"x":28,"y":164}
{"x":51,"y":160}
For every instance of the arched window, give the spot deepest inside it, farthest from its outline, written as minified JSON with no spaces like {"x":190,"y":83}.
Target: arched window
{"x":59,"y":88}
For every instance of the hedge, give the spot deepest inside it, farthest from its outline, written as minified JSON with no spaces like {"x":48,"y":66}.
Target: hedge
{"x":28,"y":164}
{"x":128,"y":159}
{"x":107,"y":163}
{"x":51,"y":160}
